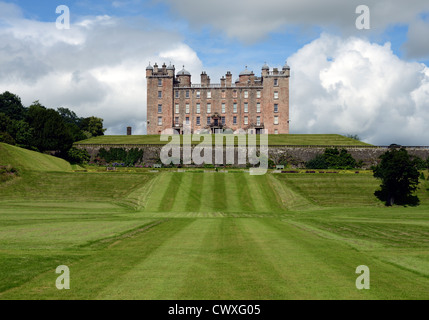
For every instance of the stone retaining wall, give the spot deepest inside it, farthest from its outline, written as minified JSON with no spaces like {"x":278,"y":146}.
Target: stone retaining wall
{"x":297,"y":156}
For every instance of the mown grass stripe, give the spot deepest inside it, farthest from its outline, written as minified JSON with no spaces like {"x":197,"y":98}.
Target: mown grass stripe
{"x":219,"y":196}
{"x":170,"y":193}
{"x":183,"y":190}
{"x":193,"y":203}
{"x":243,"y":192}
{"x":271,"y":196}
{"x":259,"y":201}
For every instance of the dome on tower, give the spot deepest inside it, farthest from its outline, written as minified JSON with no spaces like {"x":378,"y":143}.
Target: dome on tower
{"x":246,"y":72}
{"x":149,"y":67}
{"x":265,"y":67}
{"x":170,"y":67}
{"x":286,"y":66}
{"x":183,"y":72}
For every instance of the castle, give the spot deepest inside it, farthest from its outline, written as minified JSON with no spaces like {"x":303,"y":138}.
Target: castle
{"x":253,"y":104}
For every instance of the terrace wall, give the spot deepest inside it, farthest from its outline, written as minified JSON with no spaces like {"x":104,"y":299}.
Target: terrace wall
{"x":297,"y":156}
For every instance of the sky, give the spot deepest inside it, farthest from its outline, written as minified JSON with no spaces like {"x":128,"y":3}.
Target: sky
{"x":373,"y":82}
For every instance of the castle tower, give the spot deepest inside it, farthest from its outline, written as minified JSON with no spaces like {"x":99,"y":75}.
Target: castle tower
{"x":160,"y":82}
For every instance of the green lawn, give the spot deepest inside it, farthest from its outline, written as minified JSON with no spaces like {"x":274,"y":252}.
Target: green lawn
{"x":208,"y":235}
{"x":282,"y":139}
{"x":29,"y":160}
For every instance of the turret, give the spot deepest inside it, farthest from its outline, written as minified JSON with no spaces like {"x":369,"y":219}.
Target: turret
{"x":149,"y":70}
{"x":184,"y":78}
{"x":286,"y":69}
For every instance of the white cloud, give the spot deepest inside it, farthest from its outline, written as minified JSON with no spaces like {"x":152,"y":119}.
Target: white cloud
{"x":252,"y":20}
{"x":351,"y":86}
{"x":95,"y":68}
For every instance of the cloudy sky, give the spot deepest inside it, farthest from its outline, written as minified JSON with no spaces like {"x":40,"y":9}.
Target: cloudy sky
{"x":373,"y":83}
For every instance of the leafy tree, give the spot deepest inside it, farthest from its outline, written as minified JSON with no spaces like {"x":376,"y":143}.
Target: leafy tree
{"x":399,"y":176}
{"x":22,"y":132}
{"x":50,"y":132}
{"x":5,"y":123}
{"x":6,"y":138}
{"x":77,"y":156}
{"x":319,"y":162}
{"x":69,"y":116}
{"x":93,"y":125}
{"x":11,"y":105}
{"x":420,"y":163}
{"x":353,"y":136}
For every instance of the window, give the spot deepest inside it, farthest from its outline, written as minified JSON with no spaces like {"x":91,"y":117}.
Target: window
{"x":187,"y":93}
{"x":159,"y":94}
{"x":176,"y":120}
{"x":160,"y":121}
{"x":276,"y":119}
{"x":160,"y":108}
{"x":187,"y":120}
{"x":223,"y":108}
{"x":209,"y":94}
{"x":177,"y":94}
{"x":276,"y":95}
{"x":246,"y":120}
{"x":198,"y":121}
{"x":223,"y":120}
{"x":246,"y":107}
{"x":258,"y":107}
{"x":198,"y":108}
{"x":276,"y":82}
{"x":276,"y":108}
{"x":258,"y":121}
{"x":276,"y":131}
{"x":223,"y":94}
{"x":177,"y":108}
{"x":198,"y":94}
{"x":234,"y":120}
{"x":187,"y":108}
{"x":159,"y":82}
{"x":234,"y":94}
{"x":246,"y":94}
{"x":258,"y":94}
{"x":208,"y":120}
{"x":209,"y":108}
{"x":235,"y":107}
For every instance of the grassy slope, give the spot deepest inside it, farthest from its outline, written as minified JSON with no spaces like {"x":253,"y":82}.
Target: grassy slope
{"x":29,"y":160}
{"x":286,"y":139}
{"x":208,"y":236}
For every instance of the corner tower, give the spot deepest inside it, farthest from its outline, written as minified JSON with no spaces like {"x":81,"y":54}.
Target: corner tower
{"x":160,"y":83}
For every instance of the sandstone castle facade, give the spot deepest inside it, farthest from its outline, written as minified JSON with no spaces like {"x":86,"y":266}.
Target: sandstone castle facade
{"x":251,"y":103}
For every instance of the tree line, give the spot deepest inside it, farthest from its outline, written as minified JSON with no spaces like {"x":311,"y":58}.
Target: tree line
{"x":43,"y":129}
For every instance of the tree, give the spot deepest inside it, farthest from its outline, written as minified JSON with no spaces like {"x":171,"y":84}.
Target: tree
{"x":50,"y":132}
{"x":77,"y":156}
{"x":400,"y":177}
{"x":11,"y":105}
{"x":94,"y":126}
{"x":353,"y":136}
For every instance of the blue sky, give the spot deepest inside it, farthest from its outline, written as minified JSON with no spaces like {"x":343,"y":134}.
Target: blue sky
{"x":97,"y":67}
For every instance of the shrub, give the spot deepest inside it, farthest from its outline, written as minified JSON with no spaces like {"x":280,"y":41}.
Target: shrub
{"x":129,"y":158}
{"x":77,"y":156}
{"x":333,"y":158}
